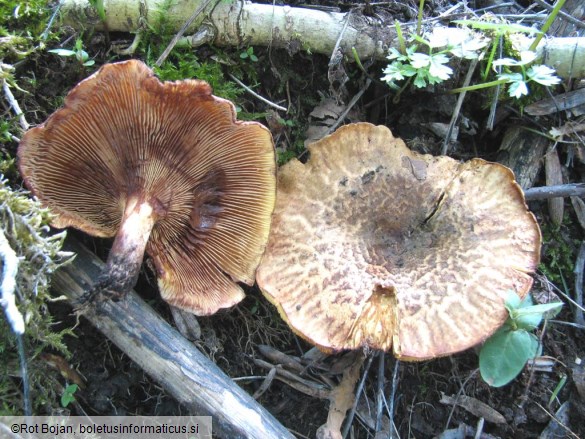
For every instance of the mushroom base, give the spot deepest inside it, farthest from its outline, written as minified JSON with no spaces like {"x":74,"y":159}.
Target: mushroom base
{"x":117,"y":279}
{"x":125,"y":259}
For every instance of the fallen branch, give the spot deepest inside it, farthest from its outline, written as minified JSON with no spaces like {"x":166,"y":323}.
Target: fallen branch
{"x":166,"y":356}
{"x":241,"y":24}
{"x":561,"y":190}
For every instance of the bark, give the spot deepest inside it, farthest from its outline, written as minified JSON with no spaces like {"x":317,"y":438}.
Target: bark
{"x":166,"y":356}
{"x":241,"y":24}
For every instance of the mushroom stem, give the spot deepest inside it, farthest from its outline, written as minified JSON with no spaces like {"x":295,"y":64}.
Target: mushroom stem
{"x":125,"y":259}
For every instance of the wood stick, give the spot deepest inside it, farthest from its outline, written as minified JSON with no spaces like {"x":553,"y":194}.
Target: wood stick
{"x":166,"y":356}
{"x":561,"y":190}
{"x":246,"y":24}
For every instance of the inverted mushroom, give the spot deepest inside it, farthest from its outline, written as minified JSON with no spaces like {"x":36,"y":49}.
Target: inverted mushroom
{"x":375,"y":245}
{"x":164,"y":167}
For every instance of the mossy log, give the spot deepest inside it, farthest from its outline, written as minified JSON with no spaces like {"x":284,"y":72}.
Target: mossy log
{"x":167,"y":356}
{"x":241,"y":24}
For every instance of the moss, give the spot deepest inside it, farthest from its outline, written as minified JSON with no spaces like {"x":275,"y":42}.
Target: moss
{"x":22,"y":27}
{"x":25,"y":224}
{"x":558,"y":253}
{"x":185,"y":65}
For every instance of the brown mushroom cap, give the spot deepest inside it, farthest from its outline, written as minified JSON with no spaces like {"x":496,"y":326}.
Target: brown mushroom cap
{"x":375,"y":245}
{"x":161,"y":165}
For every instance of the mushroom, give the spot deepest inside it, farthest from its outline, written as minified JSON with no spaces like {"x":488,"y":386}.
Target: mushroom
{"x":373,"y":245}
{"x":164,"y":167}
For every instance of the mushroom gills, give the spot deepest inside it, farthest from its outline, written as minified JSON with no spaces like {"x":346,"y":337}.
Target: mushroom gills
{"x":125,"y":258}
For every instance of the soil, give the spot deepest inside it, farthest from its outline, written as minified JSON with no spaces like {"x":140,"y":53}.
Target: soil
{"x":113,"y":384}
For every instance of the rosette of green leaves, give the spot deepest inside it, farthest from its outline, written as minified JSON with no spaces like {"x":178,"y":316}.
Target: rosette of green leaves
{"x":504,"y":354}
{"x":430,"y":66}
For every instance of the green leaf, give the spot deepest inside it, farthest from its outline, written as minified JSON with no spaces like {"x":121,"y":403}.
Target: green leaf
{"x":420,"y":80}
{"x":543,"y":75}
{"x":526,"y":57}
{"x":438,"y":69}
{"x":518,"y":89}
{"x":62,"y":52}
{"x":504,"y":355}
{"x":67,"y":396}
{"x":513,"y":301}
{"x":397,"y":71}
{"x":81,"y":56}
{"x":505,"y":62}
{"x":526,"y":319}
{"x":420,"y":60}
{"x":469,"y":49}
{"x":530,"y":317}
{"x":396,"y":55}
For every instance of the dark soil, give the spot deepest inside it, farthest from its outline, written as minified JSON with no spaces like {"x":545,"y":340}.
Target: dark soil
{"x":115,"y":385}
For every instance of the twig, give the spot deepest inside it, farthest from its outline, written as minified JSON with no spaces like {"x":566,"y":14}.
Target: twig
{"x":360,"y":388}
{"x":459,"y":393}
{"x":561,"y":190}
{"x":392,"y":396}
{"x":45,"y":33}
{"x":579,"y":265}
{"x":494,"y":105}
{"x":380,"y":391}
{"x":457,"y":108}
{"x":568,"y":299}
{"x":265,"y":384}
{"x":553,"y":417}
{"x":338,"y":42}
{"x":256,"y":95}
{"x":349,"y":107}
{"x":179,"y":34}
{"x":479,"y":428}
{"x":15,"y":107}
{"x":306,"y":386}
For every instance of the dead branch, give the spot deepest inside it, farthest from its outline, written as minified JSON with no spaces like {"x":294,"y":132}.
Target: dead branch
{"x":561,"y":190}
{"x":241,"y":24}
{"x":166,"y":356}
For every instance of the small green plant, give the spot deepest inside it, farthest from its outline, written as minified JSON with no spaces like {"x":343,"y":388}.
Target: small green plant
{"x":431,"y":67}
{"x":249,"y":54}
{"x":504,"y":354}
{"x":68,"y":395}
{"x":518,"y":81}
{"x":286,"y":122}
{"x":80,"y":55}
{"x":98,"y":5}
